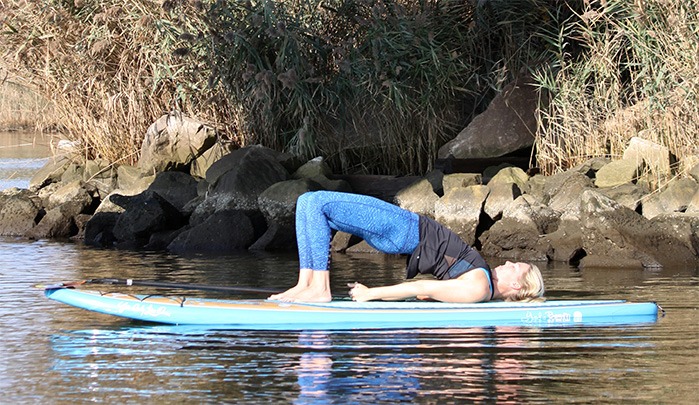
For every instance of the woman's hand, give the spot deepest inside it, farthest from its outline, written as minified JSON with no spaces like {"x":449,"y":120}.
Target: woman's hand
{"x":358,"y":292}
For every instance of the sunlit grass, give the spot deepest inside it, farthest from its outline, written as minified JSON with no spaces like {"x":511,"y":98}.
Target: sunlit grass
{"x":623,"y":69}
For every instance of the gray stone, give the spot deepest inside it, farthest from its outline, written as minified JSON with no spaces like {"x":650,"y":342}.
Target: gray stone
{"x":313,"y":168}
{"x":616,"y":232}
{"x":19,"y":211}
{"x":618,"y":172}
{"x":655,"y":157}
{"x":51,"y":172}
{"x":203,"y":162}
{"x":510,"y":175}
{"x":500,"y":197}
{"x":675,"y":197}
{"x":508,"y":125}
{"x":419,"y":197}
{"x":628,"y":195}
{"x":222,"y":232}
{"x":460,"y":210}
{"x":459,"y":180}
{"x":516,"y":235}
{"x":173,"y":142}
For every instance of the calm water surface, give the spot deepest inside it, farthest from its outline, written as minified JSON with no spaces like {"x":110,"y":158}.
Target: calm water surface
{"x":52,"y":353}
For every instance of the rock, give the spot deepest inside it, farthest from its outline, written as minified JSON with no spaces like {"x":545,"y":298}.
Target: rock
{"x":80,"y":221}
{"x":55,"y":224}
{"x":618,"y":236}
{"x":176,"y":188}
{"x":131,"y":180}
{"x":222,"y":232}
{"x":516,"y":235}
{"x":20,"y":210}
{"x":312,"y":168}
{"x":506,"y":126}
{"x":202,"y":163}
{"x":567,"y":195}
{"x":501,"y":196}
{"x":173,"y":142}
{"x":693,"y":206}
{"x":655,"y":157}
{"x":160,"y":240}
{"x":565,"y":243}
{"x":145,"y":214}
{"x":70,"y":193}
{"x":101,"y":175}
{"x":460,"y":180}
{"x":73,"y":172}
{"x":536,"y":188}
{"x":51,"y":172}
{"x":436,"y":179}
{"x":628,"y":194}
{"x":278,"y":206}
{"x":99,"y":229}
{"x":676,"y":197}
{"x":64,"y":204}
{"x":510,"y":175}
{"x":590,"y":167}
{"x":681,"y":226}
{"x":460,"y":210}
{"x":343,"y":241}
{"x":618,"y":172}
{"x":691,"y":166}
{"x":419,"y":197}
{"x":238,"y":179}
{"x":557,"y":185}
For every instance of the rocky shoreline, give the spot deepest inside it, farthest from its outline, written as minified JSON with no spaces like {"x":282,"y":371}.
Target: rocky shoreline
{"x":190,"y":193}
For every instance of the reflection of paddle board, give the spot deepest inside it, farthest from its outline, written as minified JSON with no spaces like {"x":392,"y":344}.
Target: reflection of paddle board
{"x":265,"y":314}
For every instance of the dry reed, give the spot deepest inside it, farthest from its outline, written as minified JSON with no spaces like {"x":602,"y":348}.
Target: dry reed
{"x":636,"y":74}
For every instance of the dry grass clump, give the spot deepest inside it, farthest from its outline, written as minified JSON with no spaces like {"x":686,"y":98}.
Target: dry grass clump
{"x":107,"y":66}
{"x":21,"y":108}
{"x":374,"y":85}
{"x":622,"y":69}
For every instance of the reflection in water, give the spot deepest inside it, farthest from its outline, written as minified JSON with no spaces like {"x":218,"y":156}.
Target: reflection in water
{"x":507,"y":365}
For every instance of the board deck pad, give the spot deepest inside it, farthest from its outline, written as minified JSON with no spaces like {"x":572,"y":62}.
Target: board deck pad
{"x":340,"y":315}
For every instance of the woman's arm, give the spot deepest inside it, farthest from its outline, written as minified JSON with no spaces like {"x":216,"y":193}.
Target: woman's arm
{"x":457,"y":290}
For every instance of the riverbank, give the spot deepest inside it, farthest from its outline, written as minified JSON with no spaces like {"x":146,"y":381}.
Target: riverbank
{"x":189,"y":194}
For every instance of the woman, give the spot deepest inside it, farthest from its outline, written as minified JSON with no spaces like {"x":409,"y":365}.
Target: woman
{"x":462,"y":274}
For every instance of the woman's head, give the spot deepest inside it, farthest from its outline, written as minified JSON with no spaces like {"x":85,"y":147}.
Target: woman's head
{"x":518,"y":281}
{"x":531,"y":285}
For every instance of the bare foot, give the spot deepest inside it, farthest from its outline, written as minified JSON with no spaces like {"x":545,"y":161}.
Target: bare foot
{"x":291,"y":292}
{"x":310,"y":295}
{"x":317,"y":288}
{"x":305,"y":278}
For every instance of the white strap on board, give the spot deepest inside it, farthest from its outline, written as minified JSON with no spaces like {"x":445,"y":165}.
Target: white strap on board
{"x":129,"y":281}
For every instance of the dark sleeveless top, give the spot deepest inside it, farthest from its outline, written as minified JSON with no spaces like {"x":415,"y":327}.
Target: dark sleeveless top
{"x":443,"y":254}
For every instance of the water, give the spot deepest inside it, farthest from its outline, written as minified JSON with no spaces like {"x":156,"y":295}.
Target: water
{"x":52,"y":353}
{"x":21,"y":155}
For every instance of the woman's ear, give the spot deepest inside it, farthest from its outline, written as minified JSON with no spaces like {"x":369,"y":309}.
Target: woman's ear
{"x":515,"y":285}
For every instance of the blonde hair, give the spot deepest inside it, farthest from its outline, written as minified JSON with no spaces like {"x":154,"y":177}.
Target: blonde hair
{"x":532,"y":286}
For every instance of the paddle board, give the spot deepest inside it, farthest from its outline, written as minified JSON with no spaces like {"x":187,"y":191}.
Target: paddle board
{"x":338,"y":315}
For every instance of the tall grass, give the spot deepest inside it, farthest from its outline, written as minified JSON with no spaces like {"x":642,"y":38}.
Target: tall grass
{"x":621,"y":69}
{"x":374,"y":85}
{"x":107,"y":66}
{"x":21,"y":108}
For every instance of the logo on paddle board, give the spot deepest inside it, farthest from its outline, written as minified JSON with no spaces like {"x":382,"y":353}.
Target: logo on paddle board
{"x":142,"y":309}
{"x":551,"y":318}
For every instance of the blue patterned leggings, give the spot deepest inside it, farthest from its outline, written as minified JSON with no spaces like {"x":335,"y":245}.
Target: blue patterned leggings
{"x":384,"y":226}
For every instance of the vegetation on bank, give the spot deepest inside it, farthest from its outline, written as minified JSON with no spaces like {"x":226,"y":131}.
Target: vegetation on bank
{"x":22,"y":109}
{"x":376,"y":86}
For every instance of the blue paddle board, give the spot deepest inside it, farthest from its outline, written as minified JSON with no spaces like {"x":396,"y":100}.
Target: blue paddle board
{"x":340,"y":315}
